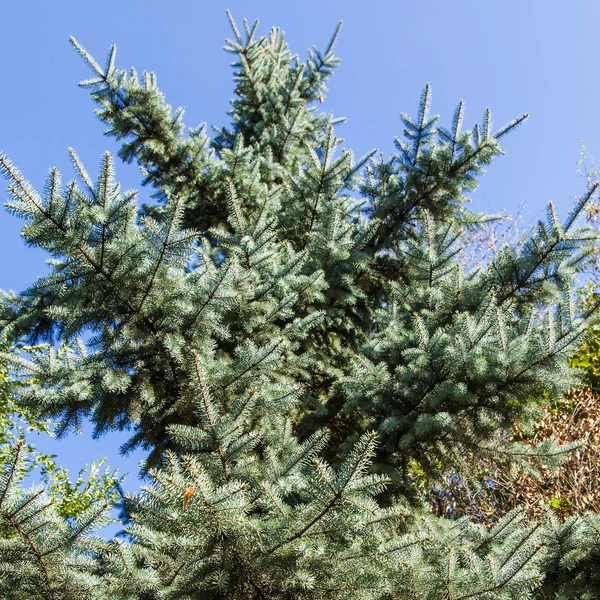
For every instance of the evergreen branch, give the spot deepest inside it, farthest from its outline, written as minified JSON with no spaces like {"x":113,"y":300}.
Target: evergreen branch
{"x":236,"y":207}
{"x":234,"y":27}
{"x":516,"y":548}
{"x":82,"y":172}
{"x":255,"y":364}
{"x":39,"y":556}
{"x":503,"y":583}
{"x":20,"y":362}
{"x":331,"y":43}
{"x":549,"y":247}
{"x":12,"y":471}
{"x":82,"y":525}
{"x":87,"y":57}
{"x":208,"y":411}
{"x":511,"y":126}
{"x":337,"y":497}
{"x":20,"y":507}
{"x":165,"y":243}
{"x":312,"y":445}
{"x":224,"y":272}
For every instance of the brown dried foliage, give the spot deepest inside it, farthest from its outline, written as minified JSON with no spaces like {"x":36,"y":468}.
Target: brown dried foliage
{"x":575,"y":486}
{"x":572,"y":488}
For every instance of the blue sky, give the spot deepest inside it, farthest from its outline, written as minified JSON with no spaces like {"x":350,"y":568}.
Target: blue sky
{"x":536,"y":56}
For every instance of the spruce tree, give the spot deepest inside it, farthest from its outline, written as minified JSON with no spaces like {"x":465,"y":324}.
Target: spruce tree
{"x":293,"y":338}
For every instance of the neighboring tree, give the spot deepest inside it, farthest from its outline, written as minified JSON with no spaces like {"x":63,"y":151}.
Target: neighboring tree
{"x":44,"y":555}
{"x":43,"y":549}
{"x":16,"y":420}
{"x":295,"y":340}
{"x":18,"y":425}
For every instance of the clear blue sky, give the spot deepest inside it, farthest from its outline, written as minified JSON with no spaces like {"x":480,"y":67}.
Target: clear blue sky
{"x":537,"y":56}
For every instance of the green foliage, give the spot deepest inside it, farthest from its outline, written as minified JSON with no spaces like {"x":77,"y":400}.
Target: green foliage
{"x":42,"y":554}
{"x":18,"y":422}
{"x":587,"y":357}
{"x":15,"y":419}
{"x":93,"y":483}
{"x":295,"y":340}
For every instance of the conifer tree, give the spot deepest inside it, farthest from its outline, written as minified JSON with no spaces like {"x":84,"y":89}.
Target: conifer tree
{"x":291,"y":335}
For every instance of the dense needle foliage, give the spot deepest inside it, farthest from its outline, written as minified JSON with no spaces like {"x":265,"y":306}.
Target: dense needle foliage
{"x":292,"y":336}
